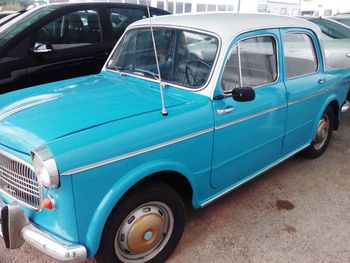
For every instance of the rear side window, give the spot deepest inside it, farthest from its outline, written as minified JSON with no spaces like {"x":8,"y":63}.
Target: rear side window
{"x":121,"y":18}
{"x":299,"y":55}
{"x":71,"y":30}
{"x":252,"y":63}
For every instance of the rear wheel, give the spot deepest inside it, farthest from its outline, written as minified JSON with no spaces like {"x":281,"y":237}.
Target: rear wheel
{"x":323,"y":135}
{"x":145,"y":227}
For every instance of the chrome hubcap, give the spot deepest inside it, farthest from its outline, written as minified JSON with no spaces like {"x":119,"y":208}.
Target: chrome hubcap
{"x":144,"y":232}
{"x":322,"y":132}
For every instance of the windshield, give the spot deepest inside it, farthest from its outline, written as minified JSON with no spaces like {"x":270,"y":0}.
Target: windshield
{"x":185,"y":58}
{"x":332,"y":29}
{"x":345,"y":21}
{"x":18,"y":24}
{"x":8,"y":18}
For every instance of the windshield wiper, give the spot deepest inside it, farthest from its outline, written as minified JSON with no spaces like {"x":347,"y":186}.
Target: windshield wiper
{"x":136,"y":70}
{"x":144,"y":71}
{"x":118,"y":69}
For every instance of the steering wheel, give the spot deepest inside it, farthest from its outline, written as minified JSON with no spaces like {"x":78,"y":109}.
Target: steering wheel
{"x":191,"y":76}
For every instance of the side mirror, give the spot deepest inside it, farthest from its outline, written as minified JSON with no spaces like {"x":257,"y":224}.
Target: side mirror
{"x":42,"y":48}
{"x":243,"y":94}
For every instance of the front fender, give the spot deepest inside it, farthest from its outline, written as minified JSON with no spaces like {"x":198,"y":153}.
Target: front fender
{"x":118,"y":190}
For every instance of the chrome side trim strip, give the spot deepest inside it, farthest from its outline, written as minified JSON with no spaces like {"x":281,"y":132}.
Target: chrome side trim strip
{"x":309,"y":97}
{"x":135,"y":153}
{"x":24,"y":107}
{"x":206,"y":203}
{"x":218,"y":127}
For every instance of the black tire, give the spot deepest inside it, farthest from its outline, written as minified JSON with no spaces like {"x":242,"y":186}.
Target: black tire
{"x":134,"y":203}
{"x":317,"y":147}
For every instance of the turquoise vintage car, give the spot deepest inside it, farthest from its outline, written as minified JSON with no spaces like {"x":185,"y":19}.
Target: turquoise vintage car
{"x":99,"y":166}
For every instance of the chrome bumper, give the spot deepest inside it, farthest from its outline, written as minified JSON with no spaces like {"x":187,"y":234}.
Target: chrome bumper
{"x":19,"y":229}
{"x":345,"y":107}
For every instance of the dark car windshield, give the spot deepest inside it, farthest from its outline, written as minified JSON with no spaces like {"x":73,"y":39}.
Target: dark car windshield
{"x":185,"y":58}
{"x":8,"y":18}
{"x":343,"y":20}
{"x":331,"y":28}
{"x":18,"y":24}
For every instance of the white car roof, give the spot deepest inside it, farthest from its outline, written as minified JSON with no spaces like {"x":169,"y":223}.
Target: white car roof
{"x":227,"y":25}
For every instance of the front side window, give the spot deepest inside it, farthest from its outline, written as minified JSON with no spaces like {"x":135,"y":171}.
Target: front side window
{"x":186,"y":58}
{"x":78,"y":28}
{"x":252,"y":63}
{"x":299,"y":55}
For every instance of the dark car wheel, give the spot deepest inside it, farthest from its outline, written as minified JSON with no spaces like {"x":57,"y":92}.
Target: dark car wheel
{"x":145,"y":226}
{"x":323,"y":135}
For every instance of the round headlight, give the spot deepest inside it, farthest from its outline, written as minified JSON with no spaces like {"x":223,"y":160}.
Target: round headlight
{"x":45,"y":168}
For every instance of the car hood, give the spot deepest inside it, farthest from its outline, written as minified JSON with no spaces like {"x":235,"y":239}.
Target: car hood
{"x":33,"y":117}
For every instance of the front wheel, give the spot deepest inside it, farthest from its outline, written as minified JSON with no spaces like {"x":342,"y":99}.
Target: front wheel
{"x":145,"y":227}
{"x":323,"y":135}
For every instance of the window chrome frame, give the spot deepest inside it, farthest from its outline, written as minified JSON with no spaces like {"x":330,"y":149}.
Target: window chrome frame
{"x":228,"y":93}
{"x":318,"y":60}
{"x":167,"y":83}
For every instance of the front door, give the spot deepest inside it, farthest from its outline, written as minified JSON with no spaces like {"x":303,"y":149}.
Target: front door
{"x":69,"y":46}
{"x":249,"y":135}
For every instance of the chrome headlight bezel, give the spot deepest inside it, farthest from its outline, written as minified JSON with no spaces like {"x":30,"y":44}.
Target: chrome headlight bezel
{"x":45,"y":167}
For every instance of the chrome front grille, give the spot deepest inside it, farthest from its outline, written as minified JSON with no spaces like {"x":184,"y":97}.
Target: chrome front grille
{"x":18,"y":180}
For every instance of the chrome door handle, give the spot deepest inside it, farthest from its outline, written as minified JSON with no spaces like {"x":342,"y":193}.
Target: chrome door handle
{"x":321,"y":81}
{"x":225,"y":111}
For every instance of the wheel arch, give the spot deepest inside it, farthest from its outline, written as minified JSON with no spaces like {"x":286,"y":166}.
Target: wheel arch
{"x":173,"y":174}
{"x":332,"y":102}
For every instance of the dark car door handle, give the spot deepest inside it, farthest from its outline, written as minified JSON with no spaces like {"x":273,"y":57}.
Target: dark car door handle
{"x":321,"y":81}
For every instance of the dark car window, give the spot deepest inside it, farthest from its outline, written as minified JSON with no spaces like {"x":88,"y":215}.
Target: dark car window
{"x":122,"y":17}
{"x":332,"y":29}
{"x":158,"y":12}
{"x":74,"y":29}
{"x":256,"y":64}
{"x":299,"y":55}
{"x":345,"y":21}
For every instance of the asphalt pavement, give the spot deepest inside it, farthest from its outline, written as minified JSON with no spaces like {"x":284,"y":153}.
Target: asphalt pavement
{"x":296,"y":212}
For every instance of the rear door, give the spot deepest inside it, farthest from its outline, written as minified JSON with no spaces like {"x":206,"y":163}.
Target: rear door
{"x":68,"y":46}
{"x":305,"y":83}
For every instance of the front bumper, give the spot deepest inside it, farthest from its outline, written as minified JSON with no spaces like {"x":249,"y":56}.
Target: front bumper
{"x":15,"y":229}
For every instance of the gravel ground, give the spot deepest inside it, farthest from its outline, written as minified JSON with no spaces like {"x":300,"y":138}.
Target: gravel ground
{"x":296,"y":212}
